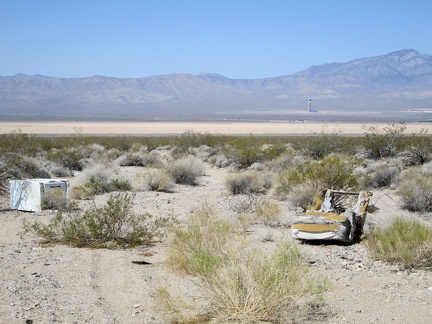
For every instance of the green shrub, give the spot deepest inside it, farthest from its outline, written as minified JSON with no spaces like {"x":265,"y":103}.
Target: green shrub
{"x":245,"y":182}
{"x":244,"y":151}
{"x":407,"y":242}
{"x":383,"y":143}
{"x":334,"y":172}
{"x":415,"y":188}
{"x":114,"y":224}
{"x":186,"y":170}
{"x":419,"y":148}
{"x":69,"y":158}
{"x":319,"y":145}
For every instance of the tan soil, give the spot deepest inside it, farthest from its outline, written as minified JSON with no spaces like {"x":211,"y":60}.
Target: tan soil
{"x":61,"y":284}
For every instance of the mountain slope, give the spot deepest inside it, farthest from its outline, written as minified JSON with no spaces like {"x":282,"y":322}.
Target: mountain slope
{"x":385,"y":86}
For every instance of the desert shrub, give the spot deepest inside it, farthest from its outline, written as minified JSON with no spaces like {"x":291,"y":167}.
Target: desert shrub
{"x":19,"y":143}
{"x":415,"y":189}
{"x":114,"y":224}
{"x":240,"y":282}
{"x":419,"y":148}
{"x":99,"y":179}
{"x":383,"y":143}
{"x":302,"y":195}
{"x":56,"y":169}
{"x":273,"y":151}
{"x":141,"y":158}
{"x":55,"y":199}
{"x":186,"y":170}
{"x":16,"y":166}
{"x":220,"y":161}
{"x":283,"y":161}
{"x":159,"y":180}
{"x":334,"y":172}
{"x":244,"y":151}
{"x":384,"y":176}
{"x":68,"y":157}
{"x":319,"y":145}
{"x":267,"y":212}
{"x":407,"y":242}
{"x":245,"y":182}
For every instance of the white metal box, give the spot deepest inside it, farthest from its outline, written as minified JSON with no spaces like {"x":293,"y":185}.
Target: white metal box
{"x":27,"y":195}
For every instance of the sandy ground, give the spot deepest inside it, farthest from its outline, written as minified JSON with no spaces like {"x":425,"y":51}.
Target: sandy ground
{"x":160,"y":128}
{"x":61,"y":284}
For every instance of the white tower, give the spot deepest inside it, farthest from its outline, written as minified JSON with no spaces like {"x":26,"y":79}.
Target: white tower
{"x":310,"y":105}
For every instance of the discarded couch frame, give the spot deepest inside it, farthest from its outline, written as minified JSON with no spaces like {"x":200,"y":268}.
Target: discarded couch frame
{"x":329,"y":220}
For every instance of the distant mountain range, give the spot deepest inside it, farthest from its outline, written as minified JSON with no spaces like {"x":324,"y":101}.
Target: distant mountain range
{"x":392,"y":87}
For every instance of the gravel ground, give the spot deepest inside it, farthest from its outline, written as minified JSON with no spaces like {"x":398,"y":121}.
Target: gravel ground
{"x":61,"y":284}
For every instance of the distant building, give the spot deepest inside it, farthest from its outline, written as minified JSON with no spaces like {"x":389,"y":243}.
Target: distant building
{"x":310,"y":106}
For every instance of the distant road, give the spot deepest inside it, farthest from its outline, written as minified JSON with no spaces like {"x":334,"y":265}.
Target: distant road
{"x":167,"y":128}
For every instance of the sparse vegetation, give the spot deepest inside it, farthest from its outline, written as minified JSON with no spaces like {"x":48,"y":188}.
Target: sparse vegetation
{"x":239,"y":282}
{"x":334,"y":171}
{"x":159,"y":180}
{"x":415,"y":188}
{"x":112,"y":225}
{"x":406,"y":242}
{"x":246,"y":182}
{"x":186,"y":170}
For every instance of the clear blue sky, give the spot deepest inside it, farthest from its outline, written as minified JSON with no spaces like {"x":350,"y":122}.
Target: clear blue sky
{"x":240,"y":39}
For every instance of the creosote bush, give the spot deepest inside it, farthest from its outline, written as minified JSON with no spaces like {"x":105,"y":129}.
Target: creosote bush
{"x":334,"y":171}
{"x":406,"y":242}
{"x":112,"y":225}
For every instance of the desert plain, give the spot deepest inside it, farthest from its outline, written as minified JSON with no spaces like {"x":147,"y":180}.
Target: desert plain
{"x":167,"y":128}
{"x":61,"y":284}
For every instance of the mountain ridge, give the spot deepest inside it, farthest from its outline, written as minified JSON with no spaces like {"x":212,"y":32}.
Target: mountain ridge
{"x":389,"y":84}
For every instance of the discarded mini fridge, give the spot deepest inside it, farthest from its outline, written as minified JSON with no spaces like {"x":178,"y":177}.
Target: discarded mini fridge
{"x":27,"y":195}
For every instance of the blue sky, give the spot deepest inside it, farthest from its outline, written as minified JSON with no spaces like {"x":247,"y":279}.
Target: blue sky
{"x":240,"y":39}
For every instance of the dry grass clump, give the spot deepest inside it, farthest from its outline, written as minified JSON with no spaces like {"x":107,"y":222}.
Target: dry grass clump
{"x":186,"y":170}
{"x":407,"y":242}
{"x":415,"y":188}
{"x":267,"y":212}
{"x":159,"y":180}
{"x":246,"y":182}
{"x":239,"y":282}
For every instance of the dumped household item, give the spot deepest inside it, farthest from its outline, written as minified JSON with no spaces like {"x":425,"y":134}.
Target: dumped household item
{"x":328,"y":219}
{"x":27,"y":195}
